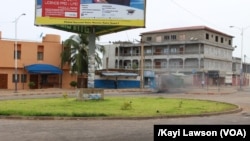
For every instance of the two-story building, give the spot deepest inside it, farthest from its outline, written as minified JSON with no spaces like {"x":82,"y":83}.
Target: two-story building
{"x":22,"y":62}
{"x":198,"y":51}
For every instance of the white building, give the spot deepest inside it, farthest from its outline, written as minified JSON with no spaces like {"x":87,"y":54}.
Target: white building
{"x":199,"y":51}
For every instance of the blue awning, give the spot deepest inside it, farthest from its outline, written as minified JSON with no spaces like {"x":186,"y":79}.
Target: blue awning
{"x":43,"y":69}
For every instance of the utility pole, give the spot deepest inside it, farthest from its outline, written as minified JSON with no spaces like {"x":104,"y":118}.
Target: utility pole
{"x":241,"y":64}
{"x":16,"y":20}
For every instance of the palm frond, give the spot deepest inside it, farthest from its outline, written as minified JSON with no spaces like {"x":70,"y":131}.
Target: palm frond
{"x":75,"y":52}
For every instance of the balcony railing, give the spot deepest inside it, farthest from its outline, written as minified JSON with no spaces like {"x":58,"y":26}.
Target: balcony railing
{"x":162,"y":53}
{"x":172,"y":66}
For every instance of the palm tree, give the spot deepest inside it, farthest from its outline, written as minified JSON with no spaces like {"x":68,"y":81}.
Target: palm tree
{"x":99,"y":50}
{"x":75,"y":53}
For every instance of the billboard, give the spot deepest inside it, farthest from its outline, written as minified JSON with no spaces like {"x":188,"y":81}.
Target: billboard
{"x":117,"y":14}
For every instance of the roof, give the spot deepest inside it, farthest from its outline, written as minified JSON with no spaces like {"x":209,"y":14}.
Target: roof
{"x":43,"y":69}
{"x":118,"y":74}
{"x":190,"y":28}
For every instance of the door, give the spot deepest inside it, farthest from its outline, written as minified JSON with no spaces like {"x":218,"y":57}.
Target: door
{"x":34,"y":78}
{"x":157,"y":51}
{"x":158,"y":64}
{"x":181,"y":50}
{"x":3,"y":81}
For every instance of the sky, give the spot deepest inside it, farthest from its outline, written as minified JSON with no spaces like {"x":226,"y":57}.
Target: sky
{"x":160,"y":14}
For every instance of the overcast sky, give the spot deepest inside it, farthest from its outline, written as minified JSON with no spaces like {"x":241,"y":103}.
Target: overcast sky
{"x":160,"y":14}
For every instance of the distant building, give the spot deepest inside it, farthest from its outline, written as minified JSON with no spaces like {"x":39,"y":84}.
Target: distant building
{"x":37,"y":62}
{"x":201,"y":52}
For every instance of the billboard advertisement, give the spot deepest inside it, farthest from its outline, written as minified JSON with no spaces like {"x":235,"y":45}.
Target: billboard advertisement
{"x":130,"y":13}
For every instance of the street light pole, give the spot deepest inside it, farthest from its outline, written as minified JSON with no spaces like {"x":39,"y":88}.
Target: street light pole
{"x":245,"y":71}
{"x":16,"y":20}
{"x":241,"y":64}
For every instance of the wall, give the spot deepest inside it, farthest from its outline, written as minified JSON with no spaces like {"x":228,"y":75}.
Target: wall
{"x":119,"y":82}
{"x":52,"y":49}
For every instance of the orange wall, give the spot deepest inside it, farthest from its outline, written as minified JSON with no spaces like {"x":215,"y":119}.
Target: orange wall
{"x":67,"y":78}
{"x":52,"y":49}
{"x":52,"y":52}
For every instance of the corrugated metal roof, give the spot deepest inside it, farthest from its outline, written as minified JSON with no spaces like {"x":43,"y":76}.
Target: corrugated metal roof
{"x":118,"y":74}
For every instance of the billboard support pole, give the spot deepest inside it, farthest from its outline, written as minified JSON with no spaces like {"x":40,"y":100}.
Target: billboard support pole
{"x":91,"y":55}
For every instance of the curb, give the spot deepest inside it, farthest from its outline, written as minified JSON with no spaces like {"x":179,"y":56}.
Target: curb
{"x":116,"y":118}
{"x":236,"y":110}
{"x":212,"y":93}
{"x":35,"y":93}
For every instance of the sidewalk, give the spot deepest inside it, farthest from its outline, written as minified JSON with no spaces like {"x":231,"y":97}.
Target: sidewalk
{"x":68,"y":91}
{"x":34,"y":92}
{"x":190,"y":90}
{"x":217,"y":90}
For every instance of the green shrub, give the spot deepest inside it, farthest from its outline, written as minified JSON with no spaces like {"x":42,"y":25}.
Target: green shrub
{"x":31,"y":84}
{"x":73,"y":84}
{"x":180,"y":104}
{"x":65,"y":95}
{"x":127,"y":105}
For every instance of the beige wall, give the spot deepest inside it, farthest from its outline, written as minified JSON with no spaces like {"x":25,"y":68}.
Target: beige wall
{"x":67,"y":78}
{"x":52,"y":49}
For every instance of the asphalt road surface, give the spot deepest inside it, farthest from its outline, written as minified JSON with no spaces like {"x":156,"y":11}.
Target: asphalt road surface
{"x":118,"y":130}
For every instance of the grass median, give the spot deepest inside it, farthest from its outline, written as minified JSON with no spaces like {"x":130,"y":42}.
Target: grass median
{"x":111,"y":107}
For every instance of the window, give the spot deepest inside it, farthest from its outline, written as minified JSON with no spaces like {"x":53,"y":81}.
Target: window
{"x":165,"y":50}
{"x":221,"y":40}
{"x":173,"y":37}
{"x":23,"y":78}
{"x":40,"y":52}
{"x":13,"y":78}
{"x":149,"y":39}
{"x":207,"y":36}
{"x":18,"y":55}
{"x":216,"y":39}
{"x":166,"y":37}
{"x":148,"y":51}
{"x":173,"y":50}
{"x":137,"y":51}
{"x":229,"y":42}
{"x":18,"y":51}
{"x":39,"y":55}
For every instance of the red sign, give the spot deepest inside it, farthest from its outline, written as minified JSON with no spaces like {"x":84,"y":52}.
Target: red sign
{"x":61,"y":8}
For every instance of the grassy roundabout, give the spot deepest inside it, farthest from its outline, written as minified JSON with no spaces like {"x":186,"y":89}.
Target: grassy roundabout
{"x":112,"y":107}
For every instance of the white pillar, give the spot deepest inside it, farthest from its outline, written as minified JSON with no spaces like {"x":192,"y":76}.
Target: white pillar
{"x":91,"y":55}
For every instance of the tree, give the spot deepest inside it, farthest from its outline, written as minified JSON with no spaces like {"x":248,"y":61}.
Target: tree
{"x":75,"y":53}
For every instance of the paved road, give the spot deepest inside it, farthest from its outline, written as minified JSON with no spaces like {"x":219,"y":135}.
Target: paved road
{"x":118,"y":130}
